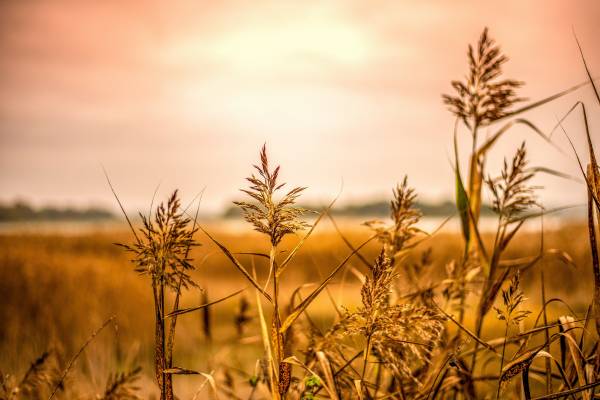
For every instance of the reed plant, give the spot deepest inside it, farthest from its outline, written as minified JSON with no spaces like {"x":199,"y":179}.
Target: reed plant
{"x":161,"y":252}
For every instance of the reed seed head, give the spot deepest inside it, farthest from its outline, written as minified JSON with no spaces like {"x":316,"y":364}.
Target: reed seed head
{"x":511,"y":193}
{"x":404,"y":217}
{"x":512,"y":299}
{"x":163,"y":249}
{"x":482,"y":98}
{"x":273,"y":218}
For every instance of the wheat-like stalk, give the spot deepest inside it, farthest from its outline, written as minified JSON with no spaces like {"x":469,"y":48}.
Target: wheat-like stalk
{"x":511,"y":193}
{"x":399,"y":336}
{"x":162,"y":252}
{"x":275,"y":218}
{"x":479,"y":101}
{"x":510,"y":313}
{"x":395,"y":236}
{"x":483,"y":98}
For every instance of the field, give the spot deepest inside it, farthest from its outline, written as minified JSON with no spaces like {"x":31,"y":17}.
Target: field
{"x":59,"y":288}
{"x":301,"y":305}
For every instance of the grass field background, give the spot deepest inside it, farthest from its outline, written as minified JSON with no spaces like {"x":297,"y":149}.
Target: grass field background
{"x":57,"y":288}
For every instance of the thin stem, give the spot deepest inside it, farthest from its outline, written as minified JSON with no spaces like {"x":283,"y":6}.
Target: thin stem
{"x":277,"y":338}
{"x":162,"y":328}
{"x":472,"y":223}
{"x":58,"y":385}
{"x":502,"y":358}
{"x":462,"y":291}
{"x":366,"y":357}
{"x":473,"y":171}
{"x":548,"y":365}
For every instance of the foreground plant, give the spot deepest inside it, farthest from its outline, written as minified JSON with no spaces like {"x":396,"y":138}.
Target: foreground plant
{"x":511,"y":314}
{"x":276,"y":219}
{"x":398,"y":339}
{"x":162,"y":253}
{"x":482,"y":101}
{"x":43,"y":378}
{"x":399,"y":332}
{"x":512,"y":195}
{"x":36,"y":383}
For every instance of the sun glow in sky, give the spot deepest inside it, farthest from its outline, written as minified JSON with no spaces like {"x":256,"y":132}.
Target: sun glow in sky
{"x":185,"y":93}
{"x":266,"y":50}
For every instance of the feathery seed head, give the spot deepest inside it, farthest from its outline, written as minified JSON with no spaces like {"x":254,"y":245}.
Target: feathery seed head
{"x":404,"y":217}
{"x":163,"y":249}
{"x":512,"y":298}
{"x":482,"y":98}
{"x":273,"y":218}
{"x":511,"y":193}
{"x":376,"y":289}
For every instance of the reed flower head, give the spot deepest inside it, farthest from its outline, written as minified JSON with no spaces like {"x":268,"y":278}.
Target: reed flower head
{"x":401,"y":335}
{"x":510,"y":191}
{"x":512,"y":299}
{"x":404,"y":217}
{"x":163,"y":249}
{"x":482,"y":98}
{"x":273,"y":218}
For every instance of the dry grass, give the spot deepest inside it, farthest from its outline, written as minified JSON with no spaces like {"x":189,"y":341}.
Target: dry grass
{"x":377,"y":312}
{"x":49,"y":279}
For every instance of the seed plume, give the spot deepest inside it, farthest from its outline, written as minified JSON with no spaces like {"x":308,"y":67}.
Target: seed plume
{"x":273,"y":218}
{"x":481,"y":98}
{"x":404,"y":217}
{"x":510,"y":191}
{"x":163,"y":249}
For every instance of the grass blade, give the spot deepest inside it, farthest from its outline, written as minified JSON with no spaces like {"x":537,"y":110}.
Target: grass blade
{"x":202,"y":306}
{"x":112,"y":189}
{"x":569,"y":392}
{"x":462,"y":201}
{"x":238,"y":265}
{"x":542,"y":102}
{"x":76,"y":356}
{"x":292,"y":253}
{"x":491,"y":141}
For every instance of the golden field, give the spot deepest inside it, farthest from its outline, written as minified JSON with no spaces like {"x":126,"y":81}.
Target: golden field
{"x":58,"y":288}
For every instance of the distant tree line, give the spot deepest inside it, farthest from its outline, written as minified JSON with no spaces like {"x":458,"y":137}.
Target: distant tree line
{"x":376,"y":209}
{"x":21,"y":211}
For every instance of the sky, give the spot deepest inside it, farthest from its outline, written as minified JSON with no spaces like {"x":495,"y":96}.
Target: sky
{"x":344,"y":93}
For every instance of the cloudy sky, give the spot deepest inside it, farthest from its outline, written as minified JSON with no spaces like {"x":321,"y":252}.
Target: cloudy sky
{"x":184,"y":93}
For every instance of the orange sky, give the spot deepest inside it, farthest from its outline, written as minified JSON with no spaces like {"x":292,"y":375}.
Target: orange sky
{"x":185,"y":92}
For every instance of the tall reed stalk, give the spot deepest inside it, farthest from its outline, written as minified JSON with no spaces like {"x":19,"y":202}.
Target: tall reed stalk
{"x":162,"y":253}
{"x":276,"y":219}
